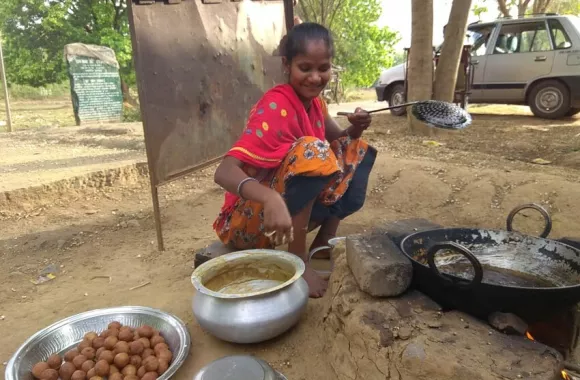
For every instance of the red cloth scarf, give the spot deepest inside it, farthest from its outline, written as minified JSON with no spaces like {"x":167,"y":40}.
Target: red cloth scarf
{"x":277,"y":120}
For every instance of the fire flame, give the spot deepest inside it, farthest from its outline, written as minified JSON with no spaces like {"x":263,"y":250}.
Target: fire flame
{"x":529,"y":336}
{"x":565,"y":375}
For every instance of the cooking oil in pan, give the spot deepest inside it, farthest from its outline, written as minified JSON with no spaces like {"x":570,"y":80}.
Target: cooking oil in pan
{"x":507,"y":265}
{"x":497,"y":276}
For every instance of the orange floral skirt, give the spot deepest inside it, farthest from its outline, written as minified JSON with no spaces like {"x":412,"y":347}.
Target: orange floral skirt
{"x":334,"y":164}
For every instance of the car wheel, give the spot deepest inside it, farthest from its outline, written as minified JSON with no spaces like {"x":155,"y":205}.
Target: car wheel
{"x":549,"y":99}
{"x":573,"y":111}
{"x":396,"y":97}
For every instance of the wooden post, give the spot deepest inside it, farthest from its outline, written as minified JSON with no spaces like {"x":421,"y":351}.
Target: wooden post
{"x":5,"y":84}
{"x":289,"y":14}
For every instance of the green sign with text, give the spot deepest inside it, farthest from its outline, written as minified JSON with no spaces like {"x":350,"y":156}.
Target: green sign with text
{"x":95,"y":90}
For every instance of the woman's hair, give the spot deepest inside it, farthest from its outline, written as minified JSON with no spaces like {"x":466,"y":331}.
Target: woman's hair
{"x":294,"y":43}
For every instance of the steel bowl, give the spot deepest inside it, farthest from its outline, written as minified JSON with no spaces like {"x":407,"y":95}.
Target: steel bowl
{"x":69,"y":332}
{"x":264,"y":308}
{"x":239,"y":367}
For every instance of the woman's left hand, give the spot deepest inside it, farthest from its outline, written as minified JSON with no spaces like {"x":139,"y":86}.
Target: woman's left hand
{"x":360,"y":120}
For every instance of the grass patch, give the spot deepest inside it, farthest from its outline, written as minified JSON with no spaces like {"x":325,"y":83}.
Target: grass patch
{"x":131,"y":114}
{"x":49,"y":106}
{"x":22,"y":92}
{"x":359,"y":94}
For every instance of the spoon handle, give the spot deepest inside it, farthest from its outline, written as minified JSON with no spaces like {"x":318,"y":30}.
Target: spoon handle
{"x":380,"y":109}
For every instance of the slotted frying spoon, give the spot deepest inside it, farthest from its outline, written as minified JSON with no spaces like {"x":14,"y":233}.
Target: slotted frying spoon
{"x":434,"y":113}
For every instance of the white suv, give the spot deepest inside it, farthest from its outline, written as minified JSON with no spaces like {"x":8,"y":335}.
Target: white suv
{"x":532,"y":60}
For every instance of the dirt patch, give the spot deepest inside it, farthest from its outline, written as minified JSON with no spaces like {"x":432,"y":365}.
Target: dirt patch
{"x":41,"y":157}
{"x":378,"y":322}
{"x":512,"y":136}
{"x":92,"y":228}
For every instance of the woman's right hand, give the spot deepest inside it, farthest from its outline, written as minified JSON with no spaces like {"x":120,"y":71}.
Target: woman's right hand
{"x":277,"y":219}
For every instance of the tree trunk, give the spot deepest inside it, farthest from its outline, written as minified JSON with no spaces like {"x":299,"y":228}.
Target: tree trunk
{"x":503,"y":8}
{"x":420,"y":75}
{"x":127,"y":98}
{"x":448,"y":66}
{"x":541,"y":6}
{"x":523,"y":7}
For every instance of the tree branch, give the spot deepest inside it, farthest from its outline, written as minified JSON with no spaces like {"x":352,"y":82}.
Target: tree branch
{"x":118,"y":7}
{"x":308,"y":14}
{"x":94,"y":17}
{"x":503,"y":8}
{"x":336,"y":9}
{"x":541,"y":6}
{"x":523,"y":7}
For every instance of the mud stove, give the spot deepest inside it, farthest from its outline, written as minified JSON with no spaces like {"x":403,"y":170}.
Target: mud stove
{"x":520,"y":284}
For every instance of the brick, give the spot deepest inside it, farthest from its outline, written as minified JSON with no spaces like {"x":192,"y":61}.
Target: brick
{"x":378,"y":266}
{"x":215,"y":249}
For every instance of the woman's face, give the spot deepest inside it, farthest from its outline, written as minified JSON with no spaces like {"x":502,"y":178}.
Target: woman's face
{"x":310,"y":72}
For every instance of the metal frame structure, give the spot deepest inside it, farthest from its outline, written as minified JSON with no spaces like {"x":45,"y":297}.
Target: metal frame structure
{"x":201,"y":65}
{"x":461,"y":96}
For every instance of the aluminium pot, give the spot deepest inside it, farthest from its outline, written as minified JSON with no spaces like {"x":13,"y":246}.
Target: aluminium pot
{"x":249,"y":296}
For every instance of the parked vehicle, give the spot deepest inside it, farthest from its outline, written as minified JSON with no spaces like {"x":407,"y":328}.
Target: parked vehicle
{"x":533,"y":60}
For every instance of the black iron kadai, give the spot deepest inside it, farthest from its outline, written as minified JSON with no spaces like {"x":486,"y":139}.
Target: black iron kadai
{"x":481,"y":271}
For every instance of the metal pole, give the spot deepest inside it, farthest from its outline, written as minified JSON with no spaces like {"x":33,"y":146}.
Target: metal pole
{"x":5,"y":84}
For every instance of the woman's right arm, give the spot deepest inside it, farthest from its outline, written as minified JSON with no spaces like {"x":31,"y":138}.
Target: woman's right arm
{"x":229,"y":175}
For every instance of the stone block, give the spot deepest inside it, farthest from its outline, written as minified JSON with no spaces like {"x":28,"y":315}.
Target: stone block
{"x":378,"y":266}
{"x":508,"y":323}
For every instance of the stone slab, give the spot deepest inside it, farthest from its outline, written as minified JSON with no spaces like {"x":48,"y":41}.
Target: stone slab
{"x":508,"y":323}
{"x":378,"y":265}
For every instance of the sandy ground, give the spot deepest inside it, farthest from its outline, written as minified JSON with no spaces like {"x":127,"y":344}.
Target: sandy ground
{"x":471,"y":178}
{"x":40,"y":156}
{"x":33,"y":157}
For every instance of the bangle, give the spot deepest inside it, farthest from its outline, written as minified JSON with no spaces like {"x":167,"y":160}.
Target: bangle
{"x":242,"y":183}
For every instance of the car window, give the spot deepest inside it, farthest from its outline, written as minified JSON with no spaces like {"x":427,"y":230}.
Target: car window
{"x":479,"y":39}
{"x":575,"y":22}
{"x":523,"y":38}
{"x":559,"y":35}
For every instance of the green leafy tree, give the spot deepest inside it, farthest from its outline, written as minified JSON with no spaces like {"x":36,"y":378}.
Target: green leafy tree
{"x":479,"y":9}
{"x":36,"y":31}
{"x":362,"y":47}
{"x":565,"y":7}
{"x":569,"y":7}
{"x":524,"y":6}
{"x":398,"y":58}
